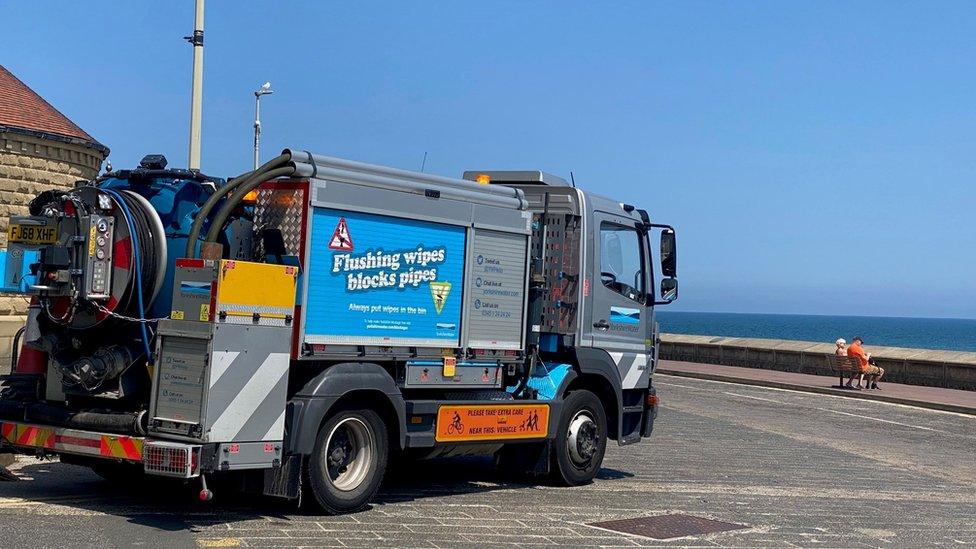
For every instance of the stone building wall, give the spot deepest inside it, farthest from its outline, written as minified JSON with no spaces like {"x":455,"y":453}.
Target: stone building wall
{"x":29,"y":164}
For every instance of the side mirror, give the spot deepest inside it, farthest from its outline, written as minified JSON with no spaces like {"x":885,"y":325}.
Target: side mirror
{"x":669,"y":289}
{"x":669,"y":256}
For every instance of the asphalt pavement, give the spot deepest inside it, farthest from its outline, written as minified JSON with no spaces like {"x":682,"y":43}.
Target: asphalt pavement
{"x":791,"y":468}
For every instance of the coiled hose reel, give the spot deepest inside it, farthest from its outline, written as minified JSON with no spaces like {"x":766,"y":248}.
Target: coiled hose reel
{"x":76,"y":312}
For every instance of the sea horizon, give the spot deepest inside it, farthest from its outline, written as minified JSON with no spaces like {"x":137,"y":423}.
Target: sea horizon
{"x":948,"y":334}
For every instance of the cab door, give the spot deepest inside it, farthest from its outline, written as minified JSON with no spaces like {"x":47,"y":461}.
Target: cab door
{"x":619,"y":318}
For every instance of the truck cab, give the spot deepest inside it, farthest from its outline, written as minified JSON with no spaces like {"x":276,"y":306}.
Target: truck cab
{"x":597,"y":305}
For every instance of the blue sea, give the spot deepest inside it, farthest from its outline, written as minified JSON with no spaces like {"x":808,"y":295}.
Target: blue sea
{"x":923,"y":333}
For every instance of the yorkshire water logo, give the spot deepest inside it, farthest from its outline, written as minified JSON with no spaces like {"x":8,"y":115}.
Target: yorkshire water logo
{"x":624,"y":315}
{"x":446,"y":329}
{"x":194,"y":288}
{"x":439,"y":291}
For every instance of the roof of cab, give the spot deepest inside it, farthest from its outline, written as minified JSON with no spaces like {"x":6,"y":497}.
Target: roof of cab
{"x":502,"y":177}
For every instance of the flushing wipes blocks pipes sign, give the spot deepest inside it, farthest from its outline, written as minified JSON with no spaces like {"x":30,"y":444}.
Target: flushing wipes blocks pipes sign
{"x":380,"y":280}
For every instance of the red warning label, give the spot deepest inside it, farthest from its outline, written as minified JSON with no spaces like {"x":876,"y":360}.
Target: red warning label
{"x":341,"y":239}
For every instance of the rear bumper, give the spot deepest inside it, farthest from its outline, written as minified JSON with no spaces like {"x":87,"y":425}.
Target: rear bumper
{"x":32,"y":439}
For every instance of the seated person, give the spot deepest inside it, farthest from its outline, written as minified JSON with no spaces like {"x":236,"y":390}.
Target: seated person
{"x":874,"y":373}
{"x":841,"y":352}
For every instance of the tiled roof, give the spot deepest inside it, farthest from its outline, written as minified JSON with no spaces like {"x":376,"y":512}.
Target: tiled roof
{"x":21,"y":107}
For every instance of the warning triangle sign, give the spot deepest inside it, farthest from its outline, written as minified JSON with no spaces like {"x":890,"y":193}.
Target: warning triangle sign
{"x":439,"y":291}
{"x":341,"y":239}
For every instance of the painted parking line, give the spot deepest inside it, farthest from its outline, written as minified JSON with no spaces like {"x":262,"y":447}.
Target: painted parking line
{"x":883,"y":420}
{"x":220,"y":542}
{"x":860,"y":416}
{"x":756,"y":398}
{"x":839,"y":412}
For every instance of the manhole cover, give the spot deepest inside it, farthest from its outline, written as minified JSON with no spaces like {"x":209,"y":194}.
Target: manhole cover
{"x":667,"y":526}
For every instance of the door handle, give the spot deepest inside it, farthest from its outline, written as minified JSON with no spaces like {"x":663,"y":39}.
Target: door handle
{"x":601,"y":324}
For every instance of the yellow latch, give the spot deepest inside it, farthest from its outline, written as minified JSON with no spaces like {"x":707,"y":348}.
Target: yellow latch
{"x":450,"y":366}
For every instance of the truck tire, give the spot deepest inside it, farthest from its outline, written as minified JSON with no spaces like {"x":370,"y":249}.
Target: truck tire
{"x":348,"y":461}
{"x":581,"y":440}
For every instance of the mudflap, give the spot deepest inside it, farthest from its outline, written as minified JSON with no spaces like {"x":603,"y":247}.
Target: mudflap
{"x":532,"y":458}
{"x":284,"y":481}
{"x":650,"y":412}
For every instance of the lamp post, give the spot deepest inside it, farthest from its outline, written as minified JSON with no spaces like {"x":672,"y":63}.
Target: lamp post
{"x":196,"y":90}
{"x":263,"y":90}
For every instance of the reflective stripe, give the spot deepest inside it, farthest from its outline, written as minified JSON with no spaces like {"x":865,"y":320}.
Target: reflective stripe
{"x":39,"y":437}
{"x":72,"y":441}
{"x":76,"y":441}
{"x":120,"y":447}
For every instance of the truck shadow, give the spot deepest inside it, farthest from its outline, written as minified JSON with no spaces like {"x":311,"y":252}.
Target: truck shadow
{"x":172,"y":506}
{"x":416,"y":480}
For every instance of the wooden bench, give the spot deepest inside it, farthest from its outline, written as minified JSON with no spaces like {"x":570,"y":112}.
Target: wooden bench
{"x":846,"y":366}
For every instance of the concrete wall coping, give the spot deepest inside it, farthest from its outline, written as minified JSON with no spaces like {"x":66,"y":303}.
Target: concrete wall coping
{"x":9,"y":324}
{"x":891,"y":353}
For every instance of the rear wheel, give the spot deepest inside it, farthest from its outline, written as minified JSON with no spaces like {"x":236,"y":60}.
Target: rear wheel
{"x":347,"y":464}
{"x":581,"y":440}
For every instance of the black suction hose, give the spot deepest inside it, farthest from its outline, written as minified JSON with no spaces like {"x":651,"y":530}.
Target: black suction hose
{"x":204,"y":213}
{"x":15,"y":349}
{"x":251,"y":183}
{"x":127,"y":423}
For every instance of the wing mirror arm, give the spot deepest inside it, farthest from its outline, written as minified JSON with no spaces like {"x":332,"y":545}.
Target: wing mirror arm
{"x":669,"y":263}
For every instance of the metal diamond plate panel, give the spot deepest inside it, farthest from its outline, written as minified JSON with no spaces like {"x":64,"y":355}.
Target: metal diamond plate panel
{"x":281,"y":208}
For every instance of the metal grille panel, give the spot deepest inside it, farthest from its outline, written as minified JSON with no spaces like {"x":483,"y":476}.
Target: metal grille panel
{"x":668,"y":526}
{"x":171,"y":459}
{"x":559,"y":237}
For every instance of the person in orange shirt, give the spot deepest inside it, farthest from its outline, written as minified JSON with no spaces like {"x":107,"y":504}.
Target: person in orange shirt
{"x":872,"y":372}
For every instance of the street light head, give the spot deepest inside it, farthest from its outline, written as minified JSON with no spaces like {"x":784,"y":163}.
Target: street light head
{"x":265,"y":89}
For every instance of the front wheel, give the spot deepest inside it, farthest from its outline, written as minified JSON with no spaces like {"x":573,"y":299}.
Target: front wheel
{"x":348,"y":461}
{"x":581,"y":440}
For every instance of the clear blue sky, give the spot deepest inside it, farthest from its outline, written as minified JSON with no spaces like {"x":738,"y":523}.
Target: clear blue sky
{"x":816,"y":157}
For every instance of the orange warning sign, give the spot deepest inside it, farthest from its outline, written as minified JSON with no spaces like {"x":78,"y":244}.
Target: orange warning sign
{"x":491,"y":422}
{"x":341,"y":239}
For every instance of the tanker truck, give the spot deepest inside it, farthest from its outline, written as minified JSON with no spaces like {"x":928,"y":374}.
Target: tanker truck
{"x":300,"y":326}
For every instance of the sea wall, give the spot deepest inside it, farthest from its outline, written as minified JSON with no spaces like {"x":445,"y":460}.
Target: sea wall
{"x":953,"y":369}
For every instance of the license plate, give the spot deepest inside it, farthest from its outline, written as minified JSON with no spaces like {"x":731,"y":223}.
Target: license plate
{"x":32,"y":234}
{"x":492,"y":422}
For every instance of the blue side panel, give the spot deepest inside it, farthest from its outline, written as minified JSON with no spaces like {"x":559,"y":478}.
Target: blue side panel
{"x":546,"y":379}
{"x":4,"y":286}
{"x":379,"y":280}
{"x":15,"y":265}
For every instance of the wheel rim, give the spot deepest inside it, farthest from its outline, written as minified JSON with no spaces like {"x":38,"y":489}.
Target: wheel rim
{"x":582,"y":439}
{"x":349,"y":454}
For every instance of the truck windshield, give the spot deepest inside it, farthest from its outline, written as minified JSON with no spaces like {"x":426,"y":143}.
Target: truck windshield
{"x":621,"y":260}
